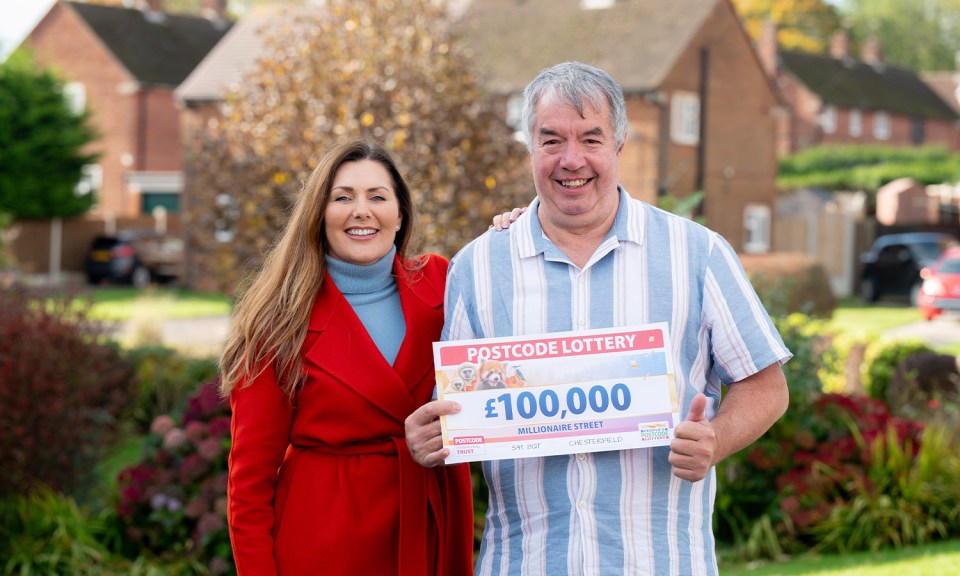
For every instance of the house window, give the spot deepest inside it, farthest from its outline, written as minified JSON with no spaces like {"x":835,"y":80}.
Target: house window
{"x":756,"y":229}
{"x":828,"y":119}
{"x":881,"y":126}
{"x":227,"y":213}
{"x":169,"y":202}
{"x":856,"y":123}
{"x":91,"y":178}
{"x":515,"y":115}
{"x":76,"y":96}
{"x":685,"y":118}
{"x":917,"y":131}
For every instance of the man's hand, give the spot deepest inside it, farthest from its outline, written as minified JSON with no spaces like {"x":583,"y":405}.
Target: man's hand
{"x":695,"y":443}
{"x":424,"y":440}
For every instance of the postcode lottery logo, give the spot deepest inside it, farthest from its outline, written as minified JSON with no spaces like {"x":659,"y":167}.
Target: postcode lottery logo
{"x":654,"y":431}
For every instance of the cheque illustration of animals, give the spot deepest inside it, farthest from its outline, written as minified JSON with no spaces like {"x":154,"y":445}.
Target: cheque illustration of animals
{"x":487,"y":375}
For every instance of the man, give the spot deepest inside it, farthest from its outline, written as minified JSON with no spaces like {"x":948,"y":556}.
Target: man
{"x":585,"y":255}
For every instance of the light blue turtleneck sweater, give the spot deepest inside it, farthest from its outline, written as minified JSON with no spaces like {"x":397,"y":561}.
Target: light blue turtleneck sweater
{"x":372,"y":292}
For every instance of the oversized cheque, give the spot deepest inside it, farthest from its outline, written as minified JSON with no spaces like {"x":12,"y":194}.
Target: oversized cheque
{"x":559,"y":393}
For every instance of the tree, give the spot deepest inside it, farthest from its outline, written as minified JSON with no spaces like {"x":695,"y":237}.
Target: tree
{"x":42,"y":143}
{"x":920,"y":35}
{"x":393,"y":70}
{"x":804,"y":25}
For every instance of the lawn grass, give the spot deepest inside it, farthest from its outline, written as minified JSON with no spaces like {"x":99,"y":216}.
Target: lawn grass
{"x":123,"y":303}
{"x":866,"y":320}
{"x":936,"y":559}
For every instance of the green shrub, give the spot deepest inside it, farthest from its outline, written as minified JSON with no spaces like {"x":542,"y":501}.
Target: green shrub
{"x":747,"y":512}
{"x":165,"y":380}
{"x":866,"y":167}
{"x":790,"y":283}
{"x":48,"y":534}
{"x":45,"y":533}
{"x":881,"y":360}
{"x":60,"y":389}
{"x":926,"y":386}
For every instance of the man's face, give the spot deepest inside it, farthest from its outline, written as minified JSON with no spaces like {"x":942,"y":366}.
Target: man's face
{"x":575,"y":162}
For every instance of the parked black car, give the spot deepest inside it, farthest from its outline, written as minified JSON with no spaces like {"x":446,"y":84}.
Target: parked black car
{"x":892,"y":265}
{"x":135,"y":257}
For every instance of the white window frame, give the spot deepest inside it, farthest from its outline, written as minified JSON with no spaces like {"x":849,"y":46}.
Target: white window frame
{"x":828,"y":119}
{"x":881,"y":125}
{"x":756,"y":229}
{"x":855,"y":124}
{"x":75,"y":93}
{"x":596,"y":4}
{"x":685,"y":118}
{"x":515,"y":114}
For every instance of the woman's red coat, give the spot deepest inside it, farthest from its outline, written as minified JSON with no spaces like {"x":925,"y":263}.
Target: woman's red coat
{"x":327,"y":486}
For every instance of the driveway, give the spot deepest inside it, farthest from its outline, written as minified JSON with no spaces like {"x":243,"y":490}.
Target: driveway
{"x":937,"y":332}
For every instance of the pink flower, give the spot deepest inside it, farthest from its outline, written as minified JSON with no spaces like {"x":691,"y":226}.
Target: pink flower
{"x":174,"y":439}
{"x":195,"y":431}
{"x":161,"y":425}
{"x":210,"y":449}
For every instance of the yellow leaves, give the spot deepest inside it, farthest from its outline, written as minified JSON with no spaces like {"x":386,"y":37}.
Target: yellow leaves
{"x":280,"y":178}
{"x":366,"y":119}
{"x":399,"y":139}
{"x":490,"y":182}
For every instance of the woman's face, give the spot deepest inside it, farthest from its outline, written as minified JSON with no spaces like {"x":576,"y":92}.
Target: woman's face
{"x":363,"y":214}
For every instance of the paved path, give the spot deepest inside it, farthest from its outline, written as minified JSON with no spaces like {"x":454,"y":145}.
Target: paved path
{"x":198,"y":336}
{"x":937,"y":332}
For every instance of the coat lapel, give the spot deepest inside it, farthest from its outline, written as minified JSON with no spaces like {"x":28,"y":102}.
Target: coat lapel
{"x":344,"y":350}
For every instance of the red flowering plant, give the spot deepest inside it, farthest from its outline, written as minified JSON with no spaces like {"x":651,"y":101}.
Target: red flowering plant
{"x":174,"y":501}
{"x":833,"y":461}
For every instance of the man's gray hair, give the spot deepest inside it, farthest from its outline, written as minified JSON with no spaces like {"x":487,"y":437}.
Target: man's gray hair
{"x":575,"y":83}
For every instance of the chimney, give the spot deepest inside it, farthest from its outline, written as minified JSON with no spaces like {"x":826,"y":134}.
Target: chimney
{"x":767,"y":47}
{"x":840,"y":45}
{"x":870,"y":52}
{"x":213,"y":9}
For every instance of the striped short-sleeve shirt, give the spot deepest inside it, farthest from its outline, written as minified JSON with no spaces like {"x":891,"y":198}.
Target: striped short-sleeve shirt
{"x":618,"y":512}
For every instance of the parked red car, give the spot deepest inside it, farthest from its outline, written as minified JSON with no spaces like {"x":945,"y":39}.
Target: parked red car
{"x":940,"y":291}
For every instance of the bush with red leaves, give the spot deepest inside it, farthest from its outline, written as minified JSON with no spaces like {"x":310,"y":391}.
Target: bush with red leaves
{"x":61,"y":388}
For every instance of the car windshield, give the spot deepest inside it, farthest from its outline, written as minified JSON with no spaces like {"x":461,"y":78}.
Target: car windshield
{"x":951,"y":266}
{"x":928,"y":251}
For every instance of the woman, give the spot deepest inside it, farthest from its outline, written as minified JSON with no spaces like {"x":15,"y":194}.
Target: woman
{"x":329,"y":351}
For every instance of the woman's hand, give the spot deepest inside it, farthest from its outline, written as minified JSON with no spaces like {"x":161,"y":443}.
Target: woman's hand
{"x":502,"y":221}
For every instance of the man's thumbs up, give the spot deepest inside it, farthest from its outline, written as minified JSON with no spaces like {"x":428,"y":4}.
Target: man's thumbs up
{"x":697,"y":408}
{"x":694,"y":443}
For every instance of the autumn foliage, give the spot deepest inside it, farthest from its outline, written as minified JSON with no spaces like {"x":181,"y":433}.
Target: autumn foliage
{"x":392,"y":70}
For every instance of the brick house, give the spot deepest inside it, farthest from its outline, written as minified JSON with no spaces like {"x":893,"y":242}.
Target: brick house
{"x":837,"y":99}
{"x":123,"y":64}
{"x":702,"y":111}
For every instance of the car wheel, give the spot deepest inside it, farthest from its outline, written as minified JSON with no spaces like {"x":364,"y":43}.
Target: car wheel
{"x":140,"y":276}
{"x":868,"y":290}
